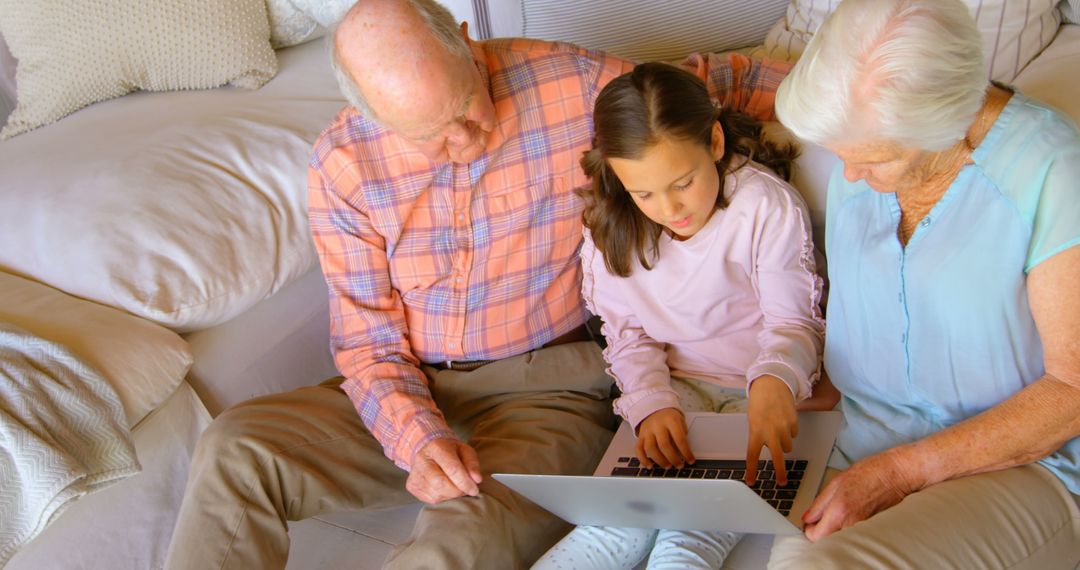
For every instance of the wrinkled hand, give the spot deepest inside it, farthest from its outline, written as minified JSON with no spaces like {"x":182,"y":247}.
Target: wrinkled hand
{"x":866,"y":488}
{"x":662,"y":438}
{"x":773,"y":423}
{"x":444,"y":469}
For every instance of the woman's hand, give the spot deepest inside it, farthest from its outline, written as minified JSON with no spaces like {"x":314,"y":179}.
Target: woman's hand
{"x":662,"y":438}
{"x":773,"y":422}
{"x":823,"y":399}
{"x":865,"y":489}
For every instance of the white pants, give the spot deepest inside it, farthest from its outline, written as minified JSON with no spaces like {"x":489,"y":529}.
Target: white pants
{"x":609,"y":548}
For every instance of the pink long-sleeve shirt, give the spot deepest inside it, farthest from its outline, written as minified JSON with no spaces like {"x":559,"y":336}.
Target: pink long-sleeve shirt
{"x":738,"y":300}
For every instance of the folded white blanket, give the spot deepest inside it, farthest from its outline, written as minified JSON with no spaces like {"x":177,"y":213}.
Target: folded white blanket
{"x":63,"y":434}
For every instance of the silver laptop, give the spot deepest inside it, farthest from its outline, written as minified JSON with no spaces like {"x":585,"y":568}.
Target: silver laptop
{"x":709,"y":495}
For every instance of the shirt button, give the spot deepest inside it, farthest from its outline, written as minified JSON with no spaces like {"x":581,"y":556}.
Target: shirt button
{"x":452,"y":345}
{"x":903,"y":338}
{"x":461,"y":217}
{"x":458,"y":279}
{"x":926,"y":221}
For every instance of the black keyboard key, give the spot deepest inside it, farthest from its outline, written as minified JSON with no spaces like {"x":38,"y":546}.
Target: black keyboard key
{"x":673,"y":472}
{"x":635,"y":462}
{"x":800,"y":465}
{"x":685,"y":472}
{"x":738,"y":474}
{"x":697,"y":473}
{"x":645,"y":472}
{"x":719,"y":464}
{"x":785,"y":494}
{"x":767,"y":493}
{"x":795,"y":475}
{"x":756,"y":485}
{"x":711,"y":473}
{"x":765,"y":475}
{"x":768,"y":484}
{"x":624,"y":472}
{"x":786,"y":505}
{"x":658,"y":472}
{"x":774,"y":503}
{"x":623,"y":460}
{"x":784,"y":512}
{"x":790,"y":485}
{"x":788,"y":464}
{"x":723,"y":474}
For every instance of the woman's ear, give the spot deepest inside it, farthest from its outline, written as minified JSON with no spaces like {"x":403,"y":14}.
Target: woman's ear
{"x":717,"y":141}
{"x":465,"y":31}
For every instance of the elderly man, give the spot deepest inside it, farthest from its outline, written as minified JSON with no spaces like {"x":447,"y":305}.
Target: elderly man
{"x":443,"y":208}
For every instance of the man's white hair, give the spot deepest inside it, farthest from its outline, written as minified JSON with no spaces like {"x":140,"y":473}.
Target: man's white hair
{"x":907,"y":71}
{"x":440,"y":22}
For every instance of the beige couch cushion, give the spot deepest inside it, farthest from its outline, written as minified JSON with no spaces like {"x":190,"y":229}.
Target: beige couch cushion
{"x":72,"y":53}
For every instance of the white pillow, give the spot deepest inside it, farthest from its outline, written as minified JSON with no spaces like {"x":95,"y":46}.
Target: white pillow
{"x":142,"y":361}
{"x":185,"y":208}
{"x":7,"y":81}
{"x":646,"y":30}
{"x":1013,"y":32}
{"x":1070,"y":11}
{"x":293,"y":22}
{"x":73,"y":53}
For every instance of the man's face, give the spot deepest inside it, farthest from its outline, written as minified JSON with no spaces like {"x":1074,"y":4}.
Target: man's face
{"x":448,"y":121}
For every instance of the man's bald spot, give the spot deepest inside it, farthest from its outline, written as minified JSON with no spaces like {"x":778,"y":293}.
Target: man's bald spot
{"x":389,"y":50}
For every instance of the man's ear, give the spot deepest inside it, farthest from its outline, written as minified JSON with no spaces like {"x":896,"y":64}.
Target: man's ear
{"x":717,"y":141}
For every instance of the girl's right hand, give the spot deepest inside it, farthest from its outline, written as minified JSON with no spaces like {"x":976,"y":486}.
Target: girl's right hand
{"x":662,"y":438}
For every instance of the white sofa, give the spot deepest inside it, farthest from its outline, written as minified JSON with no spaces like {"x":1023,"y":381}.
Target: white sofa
{"x":240,"y":157}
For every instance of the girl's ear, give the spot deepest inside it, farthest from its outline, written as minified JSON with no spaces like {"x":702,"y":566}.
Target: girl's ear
{"x":717,"y":141}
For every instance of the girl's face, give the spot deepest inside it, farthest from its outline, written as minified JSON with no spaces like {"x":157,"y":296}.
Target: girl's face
{"x":674,"y":183}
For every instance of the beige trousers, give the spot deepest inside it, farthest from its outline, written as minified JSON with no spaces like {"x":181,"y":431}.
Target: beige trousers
{"x":1016,"y":518}
{"x":295,"y":455}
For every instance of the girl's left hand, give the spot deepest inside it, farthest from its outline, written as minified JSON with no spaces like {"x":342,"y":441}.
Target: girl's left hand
{"x":773,"y":422}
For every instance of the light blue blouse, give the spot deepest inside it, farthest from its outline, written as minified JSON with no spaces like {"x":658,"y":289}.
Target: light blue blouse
{"x":922,"y":337}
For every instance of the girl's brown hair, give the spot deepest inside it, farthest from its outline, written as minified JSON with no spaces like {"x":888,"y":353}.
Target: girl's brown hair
{"x":633,"y":113}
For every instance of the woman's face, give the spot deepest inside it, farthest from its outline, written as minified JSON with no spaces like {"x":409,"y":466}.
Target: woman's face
{"x":674,"y":183}
{"x":885,"y":165}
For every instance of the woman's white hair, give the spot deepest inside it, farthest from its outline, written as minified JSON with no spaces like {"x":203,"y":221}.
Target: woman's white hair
{"x":440,"y":23}
{"x":907,"y":71}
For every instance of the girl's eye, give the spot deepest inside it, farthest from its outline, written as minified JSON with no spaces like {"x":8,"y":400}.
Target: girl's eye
{"x":642,"y":197}
{"x":685,"y":185}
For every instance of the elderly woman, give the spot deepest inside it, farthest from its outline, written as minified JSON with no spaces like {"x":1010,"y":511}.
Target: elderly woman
{"x":953,"y":325}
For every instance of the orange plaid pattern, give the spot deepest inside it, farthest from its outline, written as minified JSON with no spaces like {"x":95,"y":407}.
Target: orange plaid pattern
{"x":430,"y":262}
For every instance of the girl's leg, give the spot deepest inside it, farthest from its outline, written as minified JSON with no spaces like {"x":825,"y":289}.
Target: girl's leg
{"x":600,"y":548}
{"x":677,"y":549}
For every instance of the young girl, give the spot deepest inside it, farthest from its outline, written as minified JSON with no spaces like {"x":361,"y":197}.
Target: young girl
{"x":699,"y":260}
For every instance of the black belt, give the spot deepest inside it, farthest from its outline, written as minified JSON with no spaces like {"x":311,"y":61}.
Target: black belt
{"x":578,"y":334}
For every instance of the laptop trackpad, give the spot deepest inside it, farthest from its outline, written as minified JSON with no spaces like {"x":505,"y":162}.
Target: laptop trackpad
{"x":719,"y":435}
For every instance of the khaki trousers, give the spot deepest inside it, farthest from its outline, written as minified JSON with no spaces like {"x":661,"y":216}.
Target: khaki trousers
{"x":299,"y":454}
{"x":1016,"y":518}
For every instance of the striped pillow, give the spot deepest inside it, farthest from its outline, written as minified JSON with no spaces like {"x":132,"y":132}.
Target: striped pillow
{"x":646,"y":30}
{"x":1014,"y":31}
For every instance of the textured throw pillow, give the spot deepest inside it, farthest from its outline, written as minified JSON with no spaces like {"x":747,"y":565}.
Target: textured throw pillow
{"x":294,"y":22}
{"x":142,"y":361}
{"x":1013,"y":32}
{"x":72,"y":53}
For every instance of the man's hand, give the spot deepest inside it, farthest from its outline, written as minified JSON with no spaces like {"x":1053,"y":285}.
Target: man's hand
{"x":444,"y":469}
{"x":773,"y":422}
{"x":662,"y":438}
{"x":865,"y":489}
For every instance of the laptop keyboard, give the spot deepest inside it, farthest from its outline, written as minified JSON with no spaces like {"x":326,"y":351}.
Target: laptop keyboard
{"x":780,"y":497}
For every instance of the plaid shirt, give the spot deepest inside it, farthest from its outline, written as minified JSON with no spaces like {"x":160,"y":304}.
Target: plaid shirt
{"x":430,"y":262}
